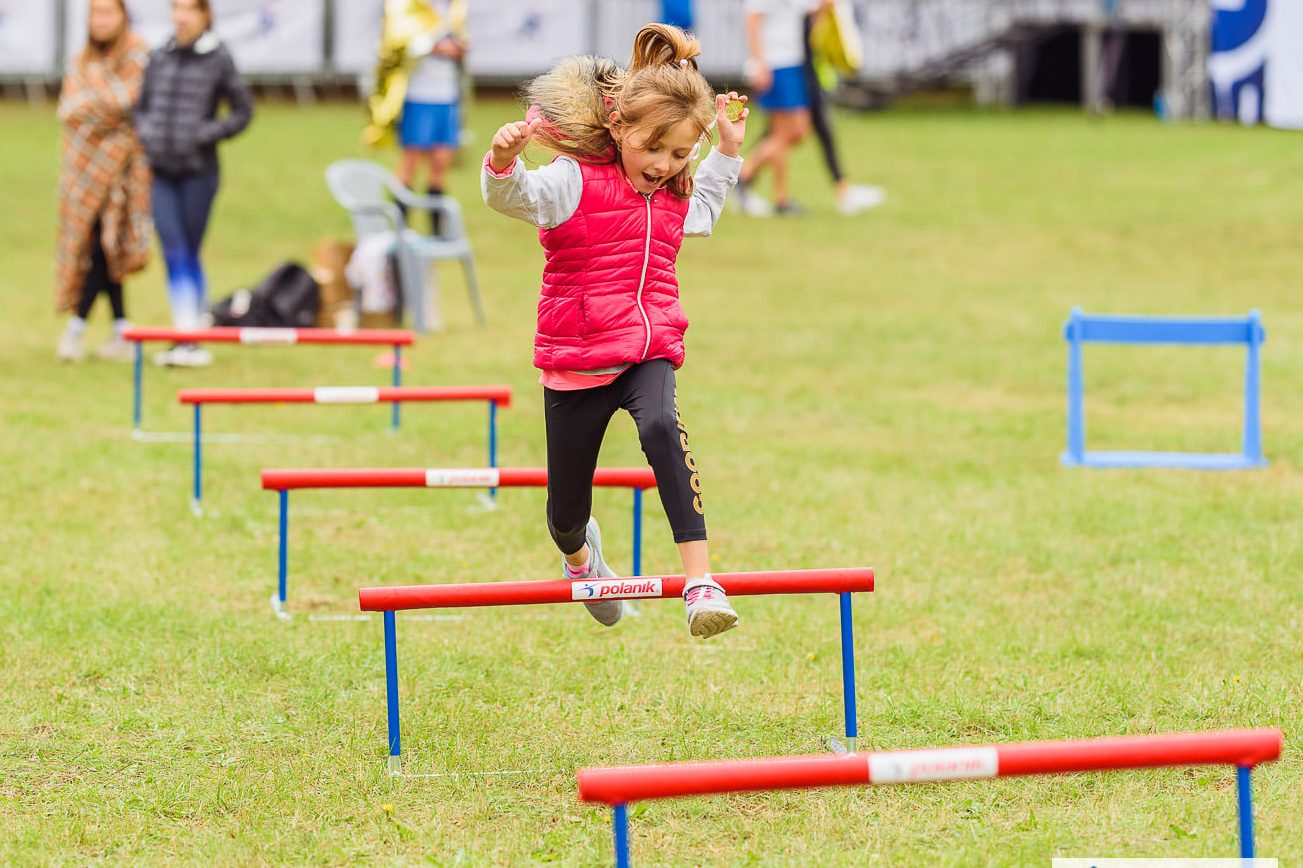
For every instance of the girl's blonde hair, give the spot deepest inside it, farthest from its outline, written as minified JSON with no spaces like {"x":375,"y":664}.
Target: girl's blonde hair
{"x":661,"y":89}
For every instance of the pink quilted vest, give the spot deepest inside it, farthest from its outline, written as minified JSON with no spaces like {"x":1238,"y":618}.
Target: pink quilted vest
{"x":609,"y":294}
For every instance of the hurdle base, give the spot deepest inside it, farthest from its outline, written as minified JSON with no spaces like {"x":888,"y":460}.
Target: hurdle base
{"x":196,"y":508}
{"x":492,"y":773}
{"x":838,"y":746}
{"x":1177,"y":460}
{"x":278,"y":608}
{"x":188,"y":437}
{"x":395,"y":767}
{"x":485,"y":502}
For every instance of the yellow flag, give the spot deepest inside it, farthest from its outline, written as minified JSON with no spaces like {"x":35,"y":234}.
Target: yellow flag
{"x":411,"y":28}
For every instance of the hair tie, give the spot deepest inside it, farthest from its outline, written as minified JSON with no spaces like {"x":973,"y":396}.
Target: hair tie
{"x":535,"y":113}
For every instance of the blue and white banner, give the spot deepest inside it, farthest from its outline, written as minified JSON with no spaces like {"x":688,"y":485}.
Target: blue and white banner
{"x":1257,"y":61}
{"x":264,"y":36}
{"x":274,"y":36}
{"x":508,"y":38}
{"x":29,"y":38}
{"x":526,"y":37}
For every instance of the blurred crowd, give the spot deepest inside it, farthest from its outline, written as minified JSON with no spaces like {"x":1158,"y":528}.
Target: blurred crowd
{"x":142,"y":128}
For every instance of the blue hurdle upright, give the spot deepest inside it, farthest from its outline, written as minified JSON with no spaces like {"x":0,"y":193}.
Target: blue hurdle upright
{"x":1089,"y":328}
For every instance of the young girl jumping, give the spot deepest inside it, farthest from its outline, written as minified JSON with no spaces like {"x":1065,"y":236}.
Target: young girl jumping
{"x":612,"y":210}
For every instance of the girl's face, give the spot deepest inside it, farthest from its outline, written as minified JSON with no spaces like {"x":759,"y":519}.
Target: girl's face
{"x":649,"y":165}
{"x":189,"y":20}
{"x":106,"y":22}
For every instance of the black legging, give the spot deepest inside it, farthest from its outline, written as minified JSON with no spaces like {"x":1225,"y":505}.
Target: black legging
{"x":97,"y":280}
{"x":819,"y":107}
{"x":577,"y":421}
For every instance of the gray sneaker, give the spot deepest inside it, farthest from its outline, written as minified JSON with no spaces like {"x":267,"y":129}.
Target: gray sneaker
{"x":607,"y":612}
{"x":709,"y":612}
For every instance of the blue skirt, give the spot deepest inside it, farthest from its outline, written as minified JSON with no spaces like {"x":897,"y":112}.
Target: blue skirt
{"x":430,"y":125}
{"x":787,"y":91}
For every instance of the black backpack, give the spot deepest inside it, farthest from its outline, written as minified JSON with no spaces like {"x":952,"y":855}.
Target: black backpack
{"x":286,"y":298}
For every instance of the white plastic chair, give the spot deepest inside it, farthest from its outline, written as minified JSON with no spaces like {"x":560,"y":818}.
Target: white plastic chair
{"x":368,"y":190}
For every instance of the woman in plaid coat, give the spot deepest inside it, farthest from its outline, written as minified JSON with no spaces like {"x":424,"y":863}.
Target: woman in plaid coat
{"x":104,"y":209}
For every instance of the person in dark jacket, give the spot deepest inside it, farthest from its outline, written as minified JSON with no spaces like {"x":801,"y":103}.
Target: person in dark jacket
{"x":177,"y":120}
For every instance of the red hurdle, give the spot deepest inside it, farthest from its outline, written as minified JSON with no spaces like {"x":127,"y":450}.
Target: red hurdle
{"x":842,"y":582}
{"x":140,"y":335}
{"x":284,"y":480}
{"x":495,"y":396}
{"x":1242,"y":748}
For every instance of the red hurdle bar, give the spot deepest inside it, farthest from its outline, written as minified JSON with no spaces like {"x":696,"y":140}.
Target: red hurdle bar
{"x":492,"y":478}
{"x":1242,"y":748}
{"x":437,"y":477}
{"x":140,"y":335}
{"x":500,"y":395}
{"x":262,"y":336}
{"x":534,"y":593}
{"x":495,"y":396}
{"x":842,"y":582}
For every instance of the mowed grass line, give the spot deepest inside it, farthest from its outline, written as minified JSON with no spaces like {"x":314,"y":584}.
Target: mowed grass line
{"x":885,"y":391}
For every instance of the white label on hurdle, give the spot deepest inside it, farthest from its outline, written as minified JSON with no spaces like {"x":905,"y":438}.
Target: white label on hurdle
{"x":346,"y":395}
{"x":615,"y":589}
{"x":268,"y":336}
{"x":463,"y":478}
{"x":942,"y":764}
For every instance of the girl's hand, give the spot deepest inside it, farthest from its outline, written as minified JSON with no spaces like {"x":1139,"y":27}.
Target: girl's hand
{"x":731,"y":132}
{"x":509,"y":141}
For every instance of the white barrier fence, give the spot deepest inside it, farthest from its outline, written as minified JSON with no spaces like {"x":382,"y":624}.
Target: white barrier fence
{"x":1256,"y":70}
{"x":512,"y":39}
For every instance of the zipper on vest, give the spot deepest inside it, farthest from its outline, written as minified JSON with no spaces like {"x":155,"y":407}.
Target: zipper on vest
{"x":642,"y":280}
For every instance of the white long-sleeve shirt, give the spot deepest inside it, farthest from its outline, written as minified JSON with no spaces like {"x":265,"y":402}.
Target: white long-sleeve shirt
{"x":548,"y":196}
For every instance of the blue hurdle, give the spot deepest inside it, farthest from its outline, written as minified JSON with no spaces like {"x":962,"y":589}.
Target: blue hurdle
{"x":1088,"y":328}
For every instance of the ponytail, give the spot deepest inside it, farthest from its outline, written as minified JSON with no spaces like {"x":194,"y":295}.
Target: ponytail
{"x":664,"y":45}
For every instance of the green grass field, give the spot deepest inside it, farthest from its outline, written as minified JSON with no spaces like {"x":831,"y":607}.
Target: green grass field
{"x":884,"y":391}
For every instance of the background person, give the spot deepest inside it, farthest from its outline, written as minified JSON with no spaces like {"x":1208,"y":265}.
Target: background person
{"x":103,"y":233}
{"x":187,"y":80}
{"x":851,"y":198}
{"x":429,"y":129}
{"x":775,"y":71}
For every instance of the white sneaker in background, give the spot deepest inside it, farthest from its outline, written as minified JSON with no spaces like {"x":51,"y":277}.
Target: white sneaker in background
{"x":859,"y":198}
{"x":184,"y":356}
{"x":71,"y":347}
{"x":116,"y":350}
{"x":749,"y":202}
